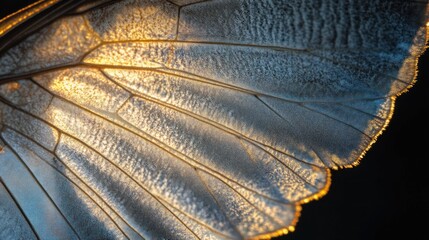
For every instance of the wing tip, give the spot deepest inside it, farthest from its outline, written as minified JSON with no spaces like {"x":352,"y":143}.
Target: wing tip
{"x":298,"y":206}
{"x":421,"y":50}
{"x":276,"y":233}
{"x":322,"y":192}
{"x":368,"y":146}
{"x":282,"y":231}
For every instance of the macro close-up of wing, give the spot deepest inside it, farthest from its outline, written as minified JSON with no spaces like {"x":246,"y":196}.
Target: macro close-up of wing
{"x":190,"y":119}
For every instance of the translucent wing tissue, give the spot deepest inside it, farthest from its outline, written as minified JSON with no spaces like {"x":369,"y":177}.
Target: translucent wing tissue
{"x":190,"y":119}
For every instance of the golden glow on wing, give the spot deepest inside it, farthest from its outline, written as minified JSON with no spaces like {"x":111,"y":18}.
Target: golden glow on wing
{"x":12,"y":86}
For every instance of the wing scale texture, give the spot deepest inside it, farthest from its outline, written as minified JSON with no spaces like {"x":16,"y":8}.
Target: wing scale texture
{"x":196,"y":119}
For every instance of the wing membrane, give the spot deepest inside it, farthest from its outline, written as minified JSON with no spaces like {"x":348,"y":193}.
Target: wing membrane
{"x":201,"y":119}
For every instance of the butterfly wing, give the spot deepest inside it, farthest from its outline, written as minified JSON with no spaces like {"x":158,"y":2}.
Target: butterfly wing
{"x":197,"y":119}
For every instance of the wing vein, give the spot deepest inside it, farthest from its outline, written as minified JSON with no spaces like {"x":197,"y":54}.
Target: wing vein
{"x":79,"y":187}
{"x":41,"y":186}
{"x":149,"y":138}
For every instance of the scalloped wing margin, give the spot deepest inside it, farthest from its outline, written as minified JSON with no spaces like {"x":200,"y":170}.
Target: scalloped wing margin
{"x":212,"y":120}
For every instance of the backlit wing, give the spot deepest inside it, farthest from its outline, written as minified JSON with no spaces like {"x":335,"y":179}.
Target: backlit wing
{"x":190,"y":119}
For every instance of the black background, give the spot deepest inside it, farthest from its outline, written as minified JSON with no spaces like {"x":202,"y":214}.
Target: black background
{"x":388,"y":193}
